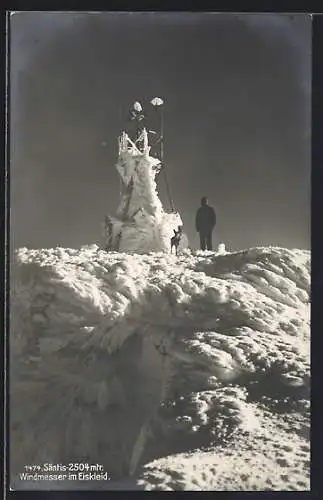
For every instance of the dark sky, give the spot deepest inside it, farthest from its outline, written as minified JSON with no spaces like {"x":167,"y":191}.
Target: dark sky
{"x":237,"y":120}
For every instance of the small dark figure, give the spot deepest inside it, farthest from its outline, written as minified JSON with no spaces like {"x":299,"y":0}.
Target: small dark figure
{"x":205,"y":221}
{"x":175,"y":240}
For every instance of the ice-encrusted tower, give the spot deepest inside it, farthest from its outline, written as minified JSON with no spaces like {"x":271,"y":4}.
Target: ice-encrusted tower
{"x":140,"y":225}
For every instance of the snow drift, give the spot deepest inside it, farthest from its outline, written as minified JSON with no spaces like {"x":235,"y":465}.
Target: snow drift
{"x":174,"y":373}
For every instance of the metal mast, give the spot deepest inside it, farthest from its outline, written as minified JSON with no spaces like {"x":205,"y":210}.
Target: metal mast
{"x":157,"y":101}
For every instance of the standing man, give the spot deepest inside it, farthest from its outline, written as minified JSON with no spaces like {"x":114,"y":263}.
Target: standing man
{"x":205,"y":221}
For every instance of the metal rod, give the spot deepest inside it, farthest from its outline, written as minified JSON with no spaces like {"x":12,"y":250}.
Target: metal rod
{"x":168,"y":192}
{"x":162,"y":158}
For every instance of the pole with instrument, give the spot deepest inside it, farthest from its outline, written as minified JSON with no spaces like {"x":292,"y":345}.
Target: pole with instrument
{"x":158,"y":102}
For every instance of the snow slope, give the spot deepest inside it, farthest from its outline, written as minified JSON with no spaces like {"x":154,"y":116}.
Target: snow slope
{"x":187,"y":373}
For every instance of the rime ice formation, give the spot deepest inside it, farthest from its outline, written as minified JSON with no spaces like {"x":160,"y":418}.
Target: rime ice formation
{"x":174,"y":373}
{"x":141,"y":225}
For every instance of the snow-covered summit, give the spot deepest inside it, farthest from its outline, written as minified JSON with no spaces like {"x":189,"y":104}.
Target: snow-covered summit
{"x":188,"y":372}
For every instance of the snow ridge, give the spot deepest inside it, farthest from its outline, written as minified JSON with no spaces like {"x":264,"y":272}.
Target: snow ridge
{"x":186,"y":372}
